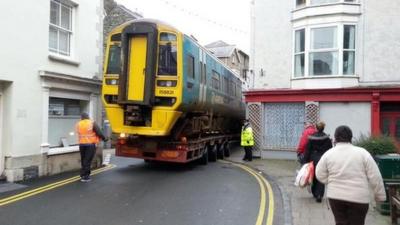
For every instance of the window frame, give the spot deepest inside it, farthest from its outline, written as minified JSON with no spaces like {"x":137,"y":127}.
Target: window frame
{"x":165,"y":43}
{"x":59,"y":28}
{"x":190,"y":65}
{"x":216,"y":80}
{"x":299,"y":53}
{"x":339,"y":48}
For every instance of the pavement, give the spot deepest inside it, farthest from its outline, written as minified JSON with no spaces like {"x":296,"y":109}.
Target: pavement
{"x":298,"y":202}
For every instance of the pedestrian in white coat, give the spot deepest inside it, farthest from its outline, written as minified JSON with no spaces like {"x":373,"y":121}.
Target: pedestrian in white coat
{"x":348,"y":172}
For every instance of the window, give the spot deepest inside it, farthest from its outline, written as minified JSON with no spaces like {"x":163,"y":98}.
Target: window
{"x":300,"y":3}
{"x":60,"y":30}
{"x":64,"y":107}
{"x":190,"y":66}
{"x":327,"y":51}
{"x":167,"y":54}
{"x":299,"y":52}
{"x":349,"y":50}
{"x":215,"y":80}
{"x":323,"y":56}
{"x":64,"y":113}
{"x":114,"y":60}
{"x":225,"y":85}
{"x":320,"y":2}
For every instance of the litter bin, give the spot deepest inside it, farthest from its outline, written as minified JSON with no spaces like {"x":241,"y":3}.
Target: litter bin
{"x":389,"y":166}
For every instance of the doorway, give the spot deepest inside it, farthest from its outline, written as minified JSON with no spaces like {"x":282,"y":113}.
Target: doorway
{"x":390,"y":125}
{"x":390,"y":121}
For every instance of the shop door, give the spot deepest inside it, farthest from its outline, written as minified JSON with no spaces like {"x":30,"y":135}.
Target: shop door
{"x":390,"y":125}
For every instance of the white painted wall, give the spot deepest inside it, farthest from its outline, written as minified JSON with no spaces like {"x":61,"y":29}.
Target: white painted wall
{"x":377,"y":42}
{"x":271,"y":43}
{"x":355,"y":115}
{"x":24,"y":51}
{"x":381,"y":41}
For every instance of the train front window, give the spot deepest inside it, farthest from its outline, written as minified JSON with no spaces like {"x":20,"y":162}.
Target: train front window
{"x":114,"y":60}
{"x":167,"y":55}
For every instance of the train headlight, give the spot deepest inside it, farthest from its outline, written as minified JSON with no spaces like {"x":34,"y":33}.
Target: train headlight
{"x":166,"y":83}
{"x":111,"y":81}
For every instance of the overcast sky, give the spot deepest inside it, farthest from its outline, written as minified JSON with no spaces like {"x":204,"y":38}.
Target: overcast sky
{"x":206,"y":20}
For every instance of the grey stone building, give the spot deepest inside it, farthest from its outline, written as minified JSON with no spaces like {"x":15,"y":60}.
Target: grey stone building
{"x":115,"y":15}
{"x":233,"y":57}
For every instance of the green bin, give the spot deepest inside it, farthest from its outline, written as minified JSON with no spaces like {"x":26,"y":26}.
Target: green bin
{"x":389,"y":166}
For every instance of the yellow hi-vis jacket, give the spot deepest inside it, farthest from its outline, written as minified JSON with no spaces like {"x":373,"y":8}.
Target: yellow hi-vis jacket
{"x":247,"y":138}
{"x":84,"y":129}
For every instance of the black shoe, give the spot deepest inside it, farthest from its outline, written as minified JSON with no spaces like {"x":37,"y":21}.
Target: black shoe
{"x":318,"y":199}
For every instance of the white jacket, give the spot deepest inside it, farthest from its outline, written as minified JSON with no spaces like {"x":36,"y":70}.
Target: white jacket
{"x":349,"y":171}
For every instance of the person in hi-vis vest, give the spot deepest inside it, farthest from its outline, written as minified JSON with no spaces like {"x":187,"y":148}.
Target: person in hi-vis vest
{"x":89,"y":134}
{"x":247,"y":140}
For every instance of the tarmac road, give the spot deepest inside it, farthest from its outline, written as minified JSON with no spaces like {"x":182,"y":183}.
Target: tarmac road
{"x":135,"y":192}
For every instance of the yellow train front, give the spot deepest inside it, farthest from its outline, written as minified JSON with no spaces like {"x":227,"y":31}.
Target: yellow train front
{"x":160,"y":87}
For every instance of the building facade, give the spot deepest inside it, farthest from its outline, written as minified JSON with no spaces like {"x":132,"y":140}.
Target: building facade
{"x":51,"y":69}
{"x":330,"y":60}
{"x":233,"y":57}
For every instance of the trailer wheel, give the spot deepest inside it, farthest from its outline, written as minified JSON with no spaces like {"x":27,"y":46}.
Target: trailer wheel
{"x":227,"y":150}
{"x":220,"y":151}
{"x":212,"y":153}
{"x":204,"y":157}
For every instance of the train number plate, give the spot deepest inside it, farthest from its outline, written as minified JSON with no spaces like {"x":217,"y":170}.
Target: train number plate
{"x":166,"y":92}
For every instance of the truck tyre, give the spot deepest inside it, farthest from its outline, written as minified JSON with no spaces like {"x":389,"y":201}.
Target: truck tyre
{"x":220,"y":151}
{"x":227,"y":150}
{"x":204,"y":158}
{"x":212,"y":153}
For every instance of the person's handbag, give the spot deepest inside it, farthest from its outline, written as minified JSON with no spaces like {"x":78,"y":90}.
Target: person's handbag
{"x":305,"y":175}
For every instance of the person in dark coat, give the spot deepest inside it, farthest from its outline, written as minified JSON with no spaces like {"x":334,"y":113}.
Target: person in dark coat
{"x":318,"y":144}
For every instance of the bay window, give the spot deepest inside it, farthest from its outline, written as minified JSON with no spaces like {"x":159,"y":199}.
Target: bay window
{"x":324,"y":51}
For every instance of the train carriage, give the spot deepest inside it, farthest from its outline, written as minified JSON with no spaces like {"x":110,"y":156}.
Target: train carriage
{"x":161,"y":86}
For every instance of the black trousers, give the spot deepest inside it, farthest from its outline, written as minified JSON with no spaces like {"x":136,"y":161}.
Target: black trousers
{"x":248,"y":154}
{"x":317,"y":188}
{"x":348,"y":213}
{"x":87,"y":153}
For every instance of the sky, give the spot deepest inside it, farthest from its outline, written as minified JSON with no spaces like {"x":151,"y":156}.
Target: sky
{"x":206,"y":20}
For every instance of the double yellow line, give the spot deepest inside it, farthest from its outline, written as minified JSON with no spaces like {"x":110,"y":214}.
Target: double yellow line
{"x":264,"y":184}
{"x":27,"y":194}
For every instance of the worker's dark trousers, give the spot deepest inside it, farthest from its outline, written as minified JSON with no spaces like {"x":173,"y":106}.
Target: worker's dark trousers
{"x":248,"y":153}
{"x":348,"y":213}
{"x":87,"y":153}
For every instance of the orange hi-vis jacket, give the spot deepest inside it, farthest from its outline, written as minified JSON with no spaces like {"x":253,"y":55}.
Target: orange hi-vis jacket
{"x":84,"y":128}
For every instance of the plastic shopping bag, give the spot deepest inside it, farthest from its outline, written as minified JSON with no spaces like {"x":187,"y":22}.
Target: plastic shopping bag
{"x":305,"y":175}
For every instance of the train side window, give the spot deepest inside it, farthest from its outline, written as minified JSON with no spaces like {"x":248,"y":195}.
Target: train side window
{"x":225,"y":85}
{"x":167,"y":59}
{"x":216,"y":80}
{"x":190,"y":66}
{"x":203,"y":74}
{"x":114,"y":60}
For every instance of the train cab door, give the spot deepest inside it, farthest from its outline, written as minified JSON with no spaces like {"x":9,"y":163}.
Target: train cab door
{"x":139,"y":55}
{"x":137,"y":68}
{"x":390,"y":125}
